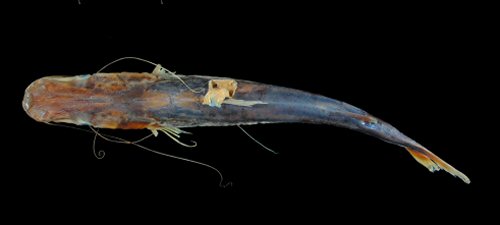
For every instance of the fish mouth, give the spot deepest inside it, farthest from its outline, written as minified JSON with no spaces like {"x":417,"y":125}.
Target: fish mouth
{"x":27,"y":98}
{"x":29,"y":103}
{"x":26,"y":102}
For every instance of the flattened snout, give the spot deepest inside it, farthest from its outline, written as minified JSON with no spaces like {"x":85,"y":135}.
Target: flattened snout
{"x":29,"y":101}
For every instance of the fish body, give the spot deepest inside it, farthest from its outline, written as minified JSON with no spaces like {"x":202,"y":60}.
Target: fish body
{"x":145,"y":100}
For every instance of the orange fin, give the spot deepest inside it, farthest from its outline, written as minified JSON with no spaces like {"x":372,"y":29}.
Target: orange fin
{"x":434,"y":163}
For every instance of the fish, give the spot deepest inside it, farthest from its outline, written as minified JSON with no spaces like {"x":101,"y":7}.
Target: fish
{"x":166,"y":102}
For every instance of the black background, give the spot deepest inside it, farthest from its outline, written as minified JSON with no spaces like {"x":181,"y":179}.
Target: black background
{"x":418,"y":67}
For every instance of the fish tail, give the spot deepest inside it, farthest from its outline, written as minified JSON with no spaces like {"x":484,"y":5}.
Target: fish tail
{"x":434,"y":163}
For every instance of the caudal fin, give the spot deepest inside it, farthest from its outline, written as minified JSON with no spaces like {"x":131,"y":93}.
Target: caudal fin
{"x":434,"y":163}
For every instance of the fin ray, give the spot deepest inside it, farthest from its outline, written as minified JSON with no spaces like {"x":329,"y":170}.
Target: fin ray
{"x":434,"y":163}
